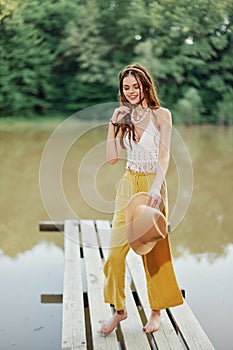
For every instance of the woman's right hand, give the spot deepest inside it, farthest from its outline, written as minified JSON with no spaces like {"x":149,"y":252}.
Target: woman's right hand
{"x":119,"y":113}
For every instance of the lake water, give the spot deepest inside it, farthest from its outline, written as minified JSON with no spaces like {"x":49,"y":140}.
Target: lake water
{"x":31,"y":263}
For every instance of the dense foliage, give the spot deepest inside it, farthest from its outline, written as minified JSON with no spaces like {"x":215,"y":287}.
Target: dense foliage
{"x":62,"y":56}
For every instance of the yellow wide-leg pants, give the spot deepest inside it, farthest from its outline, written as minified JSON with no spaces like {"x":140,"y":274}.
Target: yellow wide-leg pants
{"x":163,"y":290}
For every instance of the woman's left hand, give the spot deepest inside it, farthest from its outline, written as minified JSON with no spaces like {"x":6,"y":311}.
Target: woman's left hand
{"x":155,"y":200}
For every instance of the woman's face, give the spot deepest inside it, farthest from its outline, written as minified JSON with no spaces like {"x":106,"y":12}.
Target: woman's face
{"x":132,"y":89}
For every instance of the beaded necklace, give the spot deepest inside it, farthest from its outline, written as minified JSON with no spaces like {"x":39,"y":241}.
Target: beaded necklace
{"x":140,"y":117}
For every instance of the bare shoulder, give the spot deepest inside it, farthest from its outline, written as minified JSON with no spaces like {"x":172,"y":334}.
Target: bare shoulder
{"x":163,"y":114}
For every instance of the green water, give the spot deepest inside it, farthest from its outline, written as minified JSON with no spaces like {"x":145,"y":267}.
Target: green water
{"x":31,"y":263}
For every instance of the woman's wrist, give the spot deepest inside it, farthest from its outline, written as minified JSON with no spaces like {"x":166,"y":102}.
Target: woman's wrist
{"x":155,"y":199}
{"x":114,"y":120}
{"x":113,"y":123}
{"x":155,"y":192}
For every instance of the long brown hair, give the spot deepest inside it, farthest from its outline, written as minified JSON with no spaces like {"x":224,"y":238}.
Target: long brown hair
{"x":141,"y":74}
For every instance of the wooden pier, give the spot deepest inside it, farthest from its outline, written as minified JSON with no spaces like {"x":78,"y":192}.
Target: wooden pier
{"x":85,"y":246}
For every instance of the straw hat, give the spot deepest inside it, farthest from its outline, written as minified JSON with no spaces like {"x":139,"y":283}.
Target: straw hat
{"x":145,"y":226}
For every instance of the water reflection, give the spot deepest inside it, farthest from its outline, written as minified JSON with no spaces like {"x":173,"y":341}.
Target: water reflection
{"x":207,"y":225}
{"x":206,"y":228}
{"x":25,"y":323}
{"x":208,"y":283}
{"x":21,"y":146}
{"x":201,"y":245}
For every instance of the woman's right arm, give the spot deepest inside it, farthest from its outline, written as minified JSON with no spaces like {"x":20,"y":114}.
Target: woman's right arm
{"x":114,"y":145}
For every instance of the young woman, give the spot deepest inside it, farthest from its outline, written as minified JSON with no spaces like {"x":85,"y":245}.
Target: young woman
{"x":142,"y":127}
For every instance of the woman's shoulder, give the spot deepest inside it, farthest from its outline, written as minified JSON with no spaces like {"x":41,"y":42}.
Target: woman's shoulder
{"x":162,"y":116}
{"x":163,"y":113}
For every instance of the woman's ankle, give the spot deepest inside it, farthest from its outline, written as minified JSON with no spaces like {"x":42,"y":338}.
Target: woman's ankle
{"x":121,"y":312}
{"x":158,"y":312}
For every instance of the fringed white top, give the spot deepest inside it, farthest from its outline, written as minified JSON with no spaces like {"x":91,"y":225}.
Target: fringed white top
{"x":142,"y":156}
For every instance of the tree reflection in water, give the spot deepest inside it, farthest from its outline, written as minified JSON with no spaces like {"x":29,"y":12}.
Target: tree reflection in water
{"x":201,"y":244}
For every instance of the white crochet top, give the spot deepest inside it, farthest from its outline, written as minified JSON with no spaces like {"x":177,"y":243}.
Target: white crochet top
{"x":142,"y":156}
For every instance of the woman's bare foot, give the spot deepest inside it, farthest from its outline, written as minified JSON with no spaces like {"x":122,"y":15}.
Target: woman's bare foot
{"x":153,"y":323}
{"x":109,"y":326}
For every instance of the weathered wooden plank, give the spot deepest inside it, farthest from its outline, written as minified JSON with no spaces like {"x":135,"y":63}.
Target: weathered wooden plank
{"x":73,"y":321}
{"x":73,"y":331}
{"x":132,"y":327}
{"x":51,"y":298}
{"x":166,"y":337}
{"x":99,"y":311}
{"x":190,"y":329}
{"x":51,"y":225}
{"x":104,"y":233}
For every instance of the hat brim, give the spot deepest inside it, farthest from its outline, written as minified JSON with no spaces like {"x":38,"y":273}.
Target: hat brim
{"x":145,"y":225}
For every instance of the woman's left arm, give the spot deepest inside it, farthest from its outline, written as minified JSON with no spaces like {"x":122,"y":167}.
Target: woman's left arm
{"x":165,"y":123}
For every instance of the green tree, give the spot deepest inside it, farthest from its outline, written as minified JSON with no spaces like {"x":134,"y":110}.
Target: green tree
{"x":25,"y":64}
{"x":190,"y":46}
{"x":51,"y":21}
{"x":189,"y":108}
{"x":7,"y":8}
{"x":65,"y":55}
{"x":224,"y":109}
{"x":29,"y":59}
{"x":84,"y":50}
{"x":100,"y":41}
